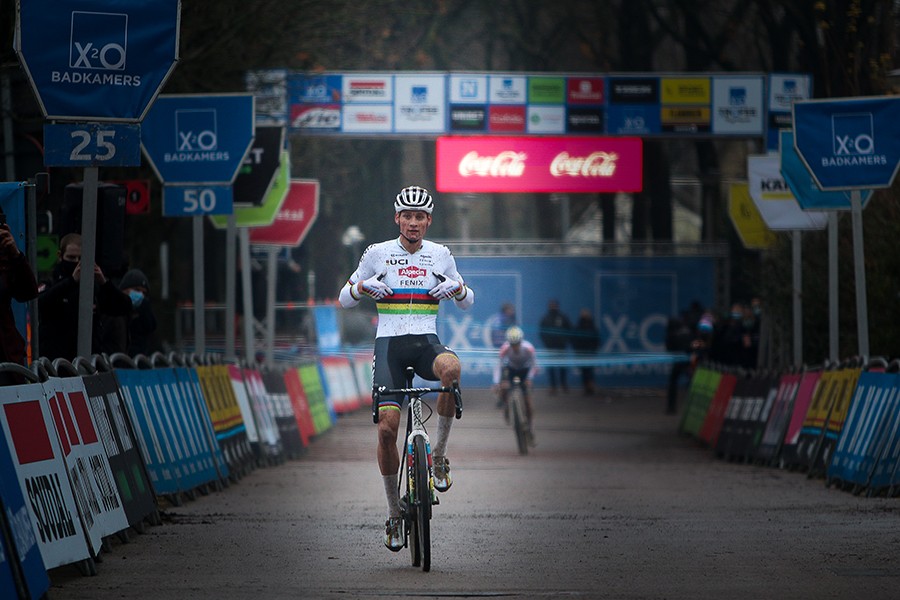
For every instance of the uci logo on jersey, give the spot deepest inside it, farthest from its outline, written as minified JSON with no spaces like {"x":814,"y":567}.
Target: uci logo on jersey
{"x":397,"y":261}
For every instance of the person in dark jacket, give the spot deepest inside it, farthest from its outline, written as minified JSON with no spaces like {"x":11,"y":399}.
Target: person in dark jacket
{"x":555,"y":329}
{"x":17,"y":282}
{"x":586,"y":342}
{"x":58,"y":303}
{"x":142,"y":322}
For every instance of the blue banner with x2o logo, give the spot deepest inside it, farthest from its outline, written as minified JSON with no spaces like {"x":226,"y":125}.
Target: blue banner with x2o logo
{"x":849,"y":143}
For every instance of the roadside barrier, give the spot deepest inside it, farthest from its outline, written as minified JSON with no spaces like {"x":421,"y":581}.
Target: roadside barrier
{"x":94,"y":446}
{"x":841,"y":423}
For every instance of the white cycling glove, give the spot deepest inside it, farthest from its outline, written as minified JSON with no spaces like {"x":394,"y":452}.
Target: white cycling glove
{"x":447,"y":288}
{"x":374,"y":287}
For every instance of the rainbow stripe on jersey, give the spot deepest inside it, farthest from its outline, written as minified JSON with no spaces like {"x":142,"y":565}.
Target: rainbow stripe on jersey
{"x":408,"y":302}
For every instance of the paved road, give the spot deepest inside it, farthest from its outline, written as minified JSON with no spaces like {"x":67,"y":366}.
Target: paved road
{"x":612,"y":503}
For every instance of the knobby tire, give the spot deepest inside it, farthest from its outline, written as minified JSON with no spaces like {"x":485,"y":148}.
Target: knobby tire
{"x":518,"y":419}
{"x":423,"y":502}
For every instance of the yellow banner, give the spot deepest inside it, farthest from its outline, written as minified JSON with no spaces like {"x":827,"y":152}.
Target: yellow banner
{"x":685,"y":90}
{"x":676,"y":115}
{"x":749,"y":224}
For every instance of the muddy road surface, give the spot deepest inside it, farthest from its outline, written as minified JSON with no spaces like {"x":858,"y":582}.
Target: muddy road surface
{"x":611,"y":503}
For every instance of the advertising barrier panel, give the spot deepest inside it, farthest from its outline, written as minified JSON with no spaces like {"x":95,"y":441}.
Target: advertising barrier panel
{"x":323,"y":418}
{"x":285,"y":419}
{"x":864,"y":435}
{"x":118,"y":436}
{"x":779,"y":418}
{"x":19,"y":551}
{"x":42,"y":475}
{"x":300,"y":404}
{"x":85,"y":456}
{"x":700,"y":394}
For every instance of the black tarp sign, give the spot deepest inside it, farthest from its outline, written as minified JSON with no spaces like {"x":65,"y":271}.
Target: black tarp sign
{"x":779,"y":418}
{"x":276,"y":388}
{"x":125,"y":459}
{"x":255,"y":177}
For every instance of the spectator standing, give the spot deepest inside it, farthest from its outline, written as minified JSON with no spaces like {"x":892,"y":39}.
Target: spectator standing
{"x":680,"y":333}
{"x":586,"y":342}
{"x":17,"y":282}
{"x":58,"y":303}
{"x":555,"y":329}
{"x":133,"y":333}
{"x":501,"y":322}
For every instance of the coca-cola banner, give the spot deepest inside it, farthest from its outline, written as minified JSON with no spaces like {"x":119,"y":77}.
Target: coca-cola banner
{"x":473,"y":164}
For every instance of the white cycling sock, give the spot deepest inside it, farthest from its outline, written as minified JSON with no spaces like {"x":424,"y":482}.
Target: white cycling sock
{"x":393,"y":498}
{"x":443,"y":432}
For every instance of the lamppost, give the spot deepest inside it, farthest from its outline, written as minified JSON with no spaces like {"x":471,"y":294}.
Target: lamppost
{"x":352,"y":238}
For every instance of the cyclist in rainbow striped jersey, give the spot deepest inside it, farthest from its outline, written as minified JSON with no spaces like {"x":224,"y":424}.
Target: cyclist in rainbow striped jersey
{"x":408,"y":277}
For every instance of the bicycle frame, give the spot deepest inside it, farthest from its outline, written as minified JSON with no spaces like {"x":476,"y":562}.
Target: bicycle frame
{"x":420,"y":492}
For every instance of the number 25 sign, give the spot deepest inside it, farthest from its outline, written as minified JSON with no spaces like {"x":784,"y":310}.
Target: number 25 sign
{"x":92,"y":145}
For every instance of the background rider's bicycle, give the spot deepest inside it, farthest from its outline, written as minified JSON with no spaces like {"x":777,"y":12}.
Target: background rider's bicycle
{"x":420,"y":495}
{"x":518,"y":415}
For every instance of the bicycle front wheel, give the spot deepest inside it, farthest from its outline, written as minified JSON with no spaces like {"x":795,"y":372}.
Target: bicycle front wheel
{"x":423,"y":501}
{"x":517,"y":413}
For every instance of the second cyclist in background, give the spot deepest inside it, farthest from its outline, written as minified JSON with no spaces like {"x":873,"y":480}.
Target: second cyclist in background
{"x":517,"y":358}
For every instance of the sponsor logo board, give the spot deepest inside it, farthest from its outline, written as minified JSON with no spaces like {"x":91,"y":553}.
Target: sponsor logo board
{"x":539,"y":164}
{"x":546,"y":119}
{"x":367,"y":118}
{"x":468,"y":89}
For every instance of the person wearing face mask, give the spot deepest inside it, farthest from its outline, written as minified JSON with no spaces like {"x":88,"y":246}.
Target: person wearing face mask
{"x":132,"y":334}
{"x":58,"y":303}
{"x":737,"y":339}
{"x":142,"y":323}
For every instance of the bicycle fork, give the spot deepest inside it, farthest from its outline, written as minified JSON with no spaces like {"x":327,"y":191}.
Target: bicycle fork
{"x":419,"y":431}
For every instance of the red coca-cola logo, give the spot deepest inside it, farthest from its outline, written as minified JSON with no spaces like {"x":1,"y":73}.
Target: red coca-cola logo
{"x":504,"y":164}
{"x":413,"y":272}
{"x":596,"y":164}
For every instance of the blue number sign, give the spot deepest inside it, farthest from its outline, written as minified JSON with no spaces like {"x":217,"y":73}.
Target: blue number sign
{"x":92,"y":145}
{"x":190,"y":201}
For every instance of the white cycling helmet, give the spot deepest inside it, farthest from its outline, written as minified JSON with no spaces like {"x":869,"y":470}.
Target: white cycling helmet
{"x":414,"y":198}
{"x":514,"y":335}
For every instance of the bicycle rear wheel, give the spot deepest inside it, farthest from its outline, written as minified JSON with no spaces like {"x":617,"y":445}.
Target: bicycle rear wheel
{"x":423,"y":502}
{"x":517,"y":414}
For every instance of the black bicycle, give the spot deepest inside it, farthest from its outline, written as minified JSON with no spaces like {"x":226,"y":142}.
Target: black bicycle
{"x":420,"y":494}
{"x":515,"y":399}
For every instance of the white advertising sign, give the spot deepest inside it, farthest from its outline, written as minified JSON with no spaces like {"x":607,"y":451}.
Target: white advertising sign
{"x":546,"y":119}
{"x":774,"y":199}
{"x":367,"y":118}
{"x":35,"y":448}
{"x":419,"y":106}
{"x":468,"y":89}
{"x":738,"y":105}
{"x":367,"y":88}
{"x":785,"y":89}
{"x":508,"y":89}
{"x":84,"y":452}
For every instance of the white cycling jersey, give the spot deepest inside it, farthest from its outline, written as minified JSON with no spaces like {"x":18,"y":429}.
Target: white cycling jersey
{"x":411,"y":309}
{"x":521,"y":358}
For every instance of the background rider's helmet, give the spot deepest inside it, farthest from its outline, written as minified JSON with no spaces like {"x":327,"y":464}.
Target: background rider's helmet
{"x":514,"y":335}
{"x":414,"y":198}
